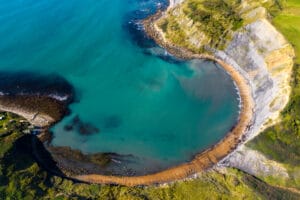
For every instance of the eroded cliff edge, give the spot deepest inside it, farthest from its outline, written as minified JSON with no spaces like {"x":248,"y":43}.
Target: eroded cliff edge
{"x":250,"y":44}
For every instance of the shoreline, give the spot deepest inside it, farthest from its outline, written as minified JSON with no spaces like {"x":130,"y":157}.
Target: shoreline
{"x":207,"y":158}
{"x":203,"y":160}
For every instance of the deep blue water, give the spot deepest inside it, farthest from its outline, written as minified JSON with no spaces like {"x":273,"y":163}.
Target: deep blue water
{"x":132,"y":97}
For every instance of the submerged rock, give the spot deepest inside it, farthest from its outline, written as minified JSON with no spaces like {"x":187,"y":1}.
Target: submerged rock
{"x":81,"y":127}
{"x":87,"y":129}
{"x":73,"y":162}
{"x":112,"y":122}
{"x":68,"y":127}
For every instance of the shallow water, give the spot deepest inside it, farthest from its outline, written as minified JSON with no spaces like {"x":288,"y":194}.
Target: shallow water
{"x":133,"y":98}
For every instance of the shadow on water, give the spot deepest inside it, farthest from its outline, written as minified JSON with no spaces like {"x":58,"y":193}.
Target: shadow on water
{"x":36,"y":84}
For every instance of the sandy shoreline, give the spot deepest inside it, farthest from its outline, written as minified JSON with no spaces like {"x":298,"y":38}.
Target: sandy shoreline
{"x":207,"y":158}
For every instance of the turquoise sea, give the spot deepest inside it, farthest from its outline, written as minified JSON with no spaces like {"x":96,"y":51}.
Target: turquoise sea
{"x":132,"y":98}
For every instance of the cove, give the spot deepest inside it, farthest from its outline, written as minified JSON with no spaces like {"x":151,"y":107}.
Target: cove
{"x":132,"y":98}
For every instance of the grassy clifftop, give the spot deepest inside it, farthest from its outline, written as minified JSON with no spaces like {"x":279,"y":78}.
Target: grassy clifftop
{"x":216,"y":19}
{"x":197,"y":24}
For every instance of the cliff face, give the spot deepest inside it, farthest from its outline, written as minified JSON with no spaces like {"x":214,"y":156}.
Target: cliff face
{"x":256,"y":49}
{"x":265,"y":58}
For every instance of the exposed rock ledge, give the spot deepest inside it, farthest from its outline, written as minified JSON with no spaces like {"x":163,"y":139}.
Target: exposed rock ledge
{"x":40,"y":111}
{"x":253,"y":162}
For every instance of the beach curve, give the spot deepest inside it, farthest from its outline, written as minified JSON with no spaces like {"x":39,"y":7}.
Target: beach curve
{"x":203,"y":160}
{"x":210,"y":156}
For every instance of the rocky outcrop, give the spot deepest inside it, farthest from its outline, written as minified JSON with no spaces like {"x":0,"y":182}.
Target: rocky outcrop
{"x":40,"y":98}
{"x":265,"y":58}
{"x":38,"y":110}
{"x":254,"y":163}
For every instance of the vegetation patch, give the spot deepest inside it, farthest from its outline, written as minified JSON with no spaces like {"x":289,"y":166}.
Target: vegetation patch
{"x":211,"y":22}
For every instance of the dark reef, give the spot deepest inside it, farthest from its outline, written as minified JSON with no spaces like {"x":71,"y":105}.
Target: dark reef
{"x":84,"y":128}
{"x":113,"y":121}
{"x":73,"y":162}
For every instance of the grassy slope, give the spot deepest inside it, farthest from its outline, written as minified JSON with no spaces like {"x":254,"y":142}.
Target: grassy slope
{"x":216,"y":19}
{"x":199,"y":24}
{"x":282,"y":142}
{"x":22,"y":178}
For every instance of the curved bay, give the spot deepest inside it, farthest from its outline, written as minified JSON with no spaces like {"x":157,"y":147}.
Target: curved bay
{"x":134,"y":99}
